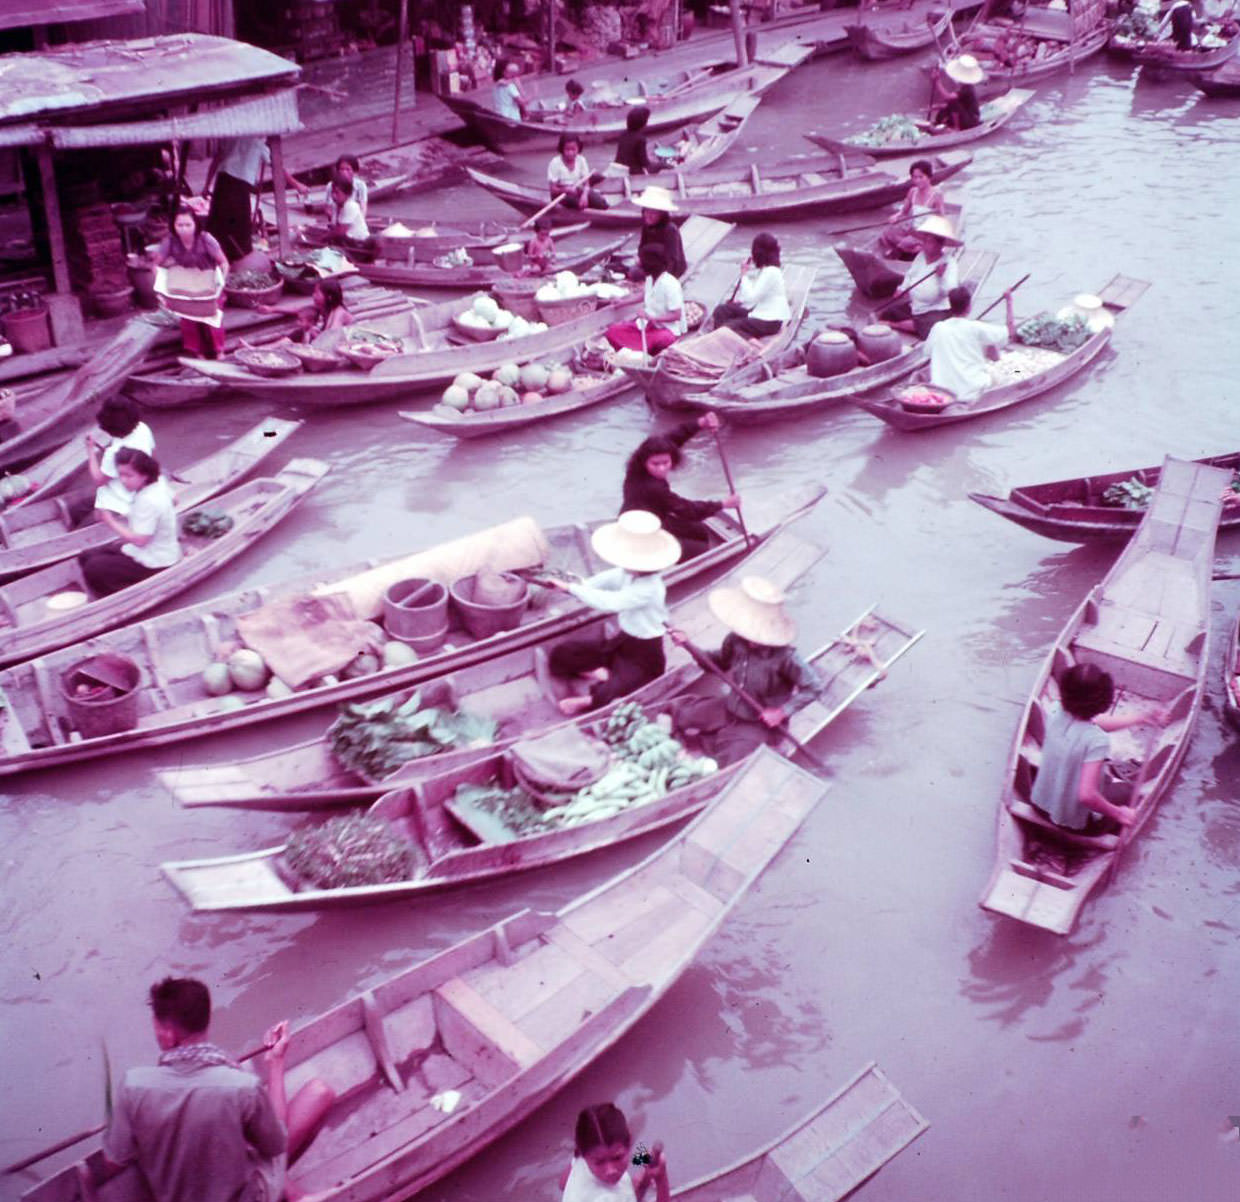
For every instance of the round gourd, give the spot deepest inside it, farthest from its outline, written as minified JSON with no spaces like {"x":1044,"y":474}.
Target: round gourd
{"x":276,"y":689}
{"x":456,"y":398}
{"x":217,"y":680}
{"x":508,"y":397}
{"x":548,"y":292}
{"x":507,"y":373}
{"x":230,"y":703}
{"x":361,"y":665}
{"x":487,"y":398}
{"x":486,"y":307}
{"x":503,"y":319}
{"x":247,"y":669}
{"x":467,"y":380}
{"x":519,"y":328}
{"x":531,"y":398}
{"x":474,"y":320}
{"x":566,"y":283}
{"x":534,"y":377}
{"x":398,"y":655}
{"x":559,"y":381}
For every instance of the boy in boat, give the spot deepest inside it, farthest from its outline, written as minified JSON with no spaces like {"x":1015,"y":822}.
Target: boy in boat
{"x":199,"y":1127}
{"x":759,"y":657}
{"x":960,"y":347}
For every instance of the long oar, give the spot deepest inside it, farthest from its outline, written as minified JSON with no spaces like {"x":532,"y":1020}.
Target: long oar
{"x":1001,"y":295}
{"x":529,"y":221}
{"x":69,"y":1141}
{"x":856,"y":229}
{"x":705,"y":662}
{"x":727,"y":475}
{"x":904,"y":291}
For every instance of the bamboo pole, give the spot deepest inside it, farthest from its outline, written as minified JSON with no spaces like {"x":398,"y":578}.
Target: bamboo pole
{"x":402,"y":36}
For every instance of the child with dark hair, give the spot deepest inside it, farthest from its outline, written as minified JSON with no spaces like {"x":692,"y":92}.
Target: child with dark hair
{"x":575,"y":102}
{"x":350,"y":167}
{"x":633,"y":147}
{"x":602,"y":1152}
{"x":540,"y":249}
{"x":119,"y":421}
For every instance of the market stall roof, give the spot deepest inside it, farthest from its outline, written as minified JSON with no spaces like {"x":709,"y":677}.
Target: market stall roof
{"x":115,"y":79}
{"x":18,"y":14}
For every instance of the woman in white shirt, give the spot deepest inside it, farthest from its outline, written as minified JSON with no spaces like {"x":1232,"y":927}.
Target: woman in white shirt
{"x":149,"y":530}
{"x":349,"y":166}
{"x":615,"y":664}
{"x":568,"y":175}
{"x":119,"y":427}
{"x":662,"y":317}
{"x":761,"y":305}
{"x":346,"y":220}
{"x":509,"y":101}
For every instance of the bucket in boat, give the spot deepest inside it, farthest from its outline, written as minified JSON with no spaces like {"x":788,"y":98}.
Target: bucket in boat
{"x":491,"y":604}
{"x":101,"y":694}
{"x":879,"y":342}
{"x":830,"y":354}
{"x":416,"y":612}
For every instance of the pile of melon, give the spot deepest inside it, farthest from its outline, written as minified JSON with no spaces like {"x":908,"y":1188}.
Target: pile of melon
{"x":509,"y":385}
{"x":486,"y":313}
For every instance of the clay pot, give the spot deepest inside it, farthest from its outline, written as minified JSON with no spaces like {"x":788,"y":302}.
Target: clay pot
{"x":830,"y":354}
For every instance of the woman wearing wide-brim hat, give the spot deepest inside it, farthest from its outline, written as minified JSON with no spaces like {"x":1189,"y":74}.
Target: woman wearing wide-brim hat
{"x":657,"y":205}
{"x":639,"y":550}
{"x":959,"y":107}
{"x":759,"y":657}
{"x":931,"y":277}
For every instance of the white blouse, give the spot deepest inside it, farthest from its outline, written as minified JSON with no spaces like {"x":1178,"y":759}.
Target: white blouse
{"x":639,"y":602}
{"x":665,"y":296}
{"x":765,"y":295}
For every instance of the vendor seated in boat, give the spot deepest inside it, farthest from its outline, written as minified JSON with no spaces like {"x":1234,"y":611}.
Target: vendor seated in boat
{"x":633,"y":146}
{"x":119,"y":427}
{"x":540,"y":249}
{"x":958,"y":107}
{"x":345,"y":223}
{"x":761,"y":305}
{"x":899,"y":238}
{"x":614,"y":664}
{"x":758,"y":656}
{"x":646,"y":487}
{"x":657,"y":206}
{"x":574,"y":98}
{"x":1069,"y":783}
{"x":568,"y":175}
{"x":931,"y":275}
{"x":325,"y":312}
{"x":149,"y":530}
{"x":960,"y":347}
{"x":348,"y":166}
{"x":661,"y":319}
{"x":509,"y":99}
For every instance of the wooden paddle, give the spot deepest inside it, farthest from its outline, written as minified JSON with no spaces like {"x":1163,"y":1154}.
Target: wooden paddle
{"x":707,"y":664}
{"x":891,"y":300}
{"x":69,"y":1141}
{"x":727,"y":475}
{"x":529,"y":221}
{"x":1001,"y":295}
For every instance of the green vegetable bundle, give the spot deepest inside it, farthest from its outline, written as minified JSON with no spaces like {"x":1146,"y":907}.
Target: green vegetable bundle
{"x":349,"y":851}
{"x":1062,"y":334}
{"x":895,"y":128}
{"x":251,"y":281}
{"x":205,"y":524}
{"x":1128,"y":494}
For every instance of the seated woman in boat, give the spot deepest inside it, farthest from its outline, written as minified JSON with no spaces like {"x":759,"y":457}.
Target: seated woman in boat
{"x":931,"y":275}
{"x":574,"y":98}
{"x":120,"y":427}
{"x":661,"y":319}
{"x":639,"y":549}
{"x":1068,"y":787}
{"x":657,"y":206}
{"x":190,"y":246}
{"x":759,"y":657}
{"x":602,"y":1153}
{"x":348,"y":166}
{"x":326,"y":311}
{"x":568,"y":175}
{"x":633,"y":147}
{"x":761,"y":305}
{"x":509,"y":99}
{"x":959,"y":107}
{"x":540,"y":249}
{"x":149,"y":530}
{"x":960,"y":347}
{"x":646,"y":487}
{"x":345,"y":222}
{"x":923,"y":199}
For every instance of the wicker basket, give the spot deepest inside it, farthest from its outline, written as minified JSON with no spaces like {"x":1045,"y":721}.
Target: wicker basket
{"x":366,"y":355}
{"x":251,"y":298}
{"x":268,"y":361}
{"x":908,"y":394}
{"x":189,"y":292}
{"x":314,"y":359}
{"x":568,"y":308}
{"x":473,"y":333}
{"x":517,"y":296}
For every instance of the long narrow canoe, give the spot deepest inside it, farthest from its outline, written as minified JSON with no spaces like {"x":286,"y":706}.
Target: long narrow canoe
{"x":32,"y":623}
{"x":707,"y":142}
{"x":1221,"y":81}
{"x":797,"y":187}
{"x":881,"y":40}
{"x":38,"y":535}
{"x":996,"y":113}
{"x":174,"y":649}
{"x":1049,"y":370}
{"x":876,"y":275}
{"x":826,"y":1155}
{"x":1073,"y":511}
{"x":754,"y":395}
{"x":511,"y":689}
{"x":433,"y":353}
{"x":1148,"y":625}
{"x":672,"y":381}
{"x":452,"y":847}
{"x":1057,"y":49}
{"x":1164,"y":55}
{"x":675,"y":98}
{"x":432,"y":1065}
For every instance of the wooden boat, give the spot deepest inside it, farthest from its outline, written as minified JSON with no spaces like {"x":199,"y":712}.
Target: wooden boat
{"x":481,"y":274}
{"x":1148,"y":625}
{"x":1163,"y":55}
{"x":876,"y":275}
{"x":454,"y":846}
{"x":881,"y":40}
{"x":674,"y":97}
{"x":708,"y":141}
{"x":1073,"y":511}
{"x":1221,"y":81}
{"x":438,"y":1061}
{"x":428,"y":239}
{"x":671,"y":382}
{"x":1118,"y":295}
{"x":755,"y":395}
{"x":1231,"y":676}
{"x":37,"y":535}
{"x":474,"y":424}
{"x":57,"y":469}
{"x":996,"y":113}
{"x":31,"y":621}
{"x":174,"y":649}
{"x":435,"y":354}
{"x":796,"y":187}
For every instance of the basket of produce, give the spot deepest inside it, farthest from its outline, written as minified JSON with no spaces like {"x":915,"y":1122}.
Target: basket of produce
{"x":314,"y":358}
{"x":552,"y":767}
{"x":922,"y":398}
{"x":267,"y":361}
{"x":367,"y":355}
{"x":347,"y":852}
{"x":566,"y":308}
{"x":517,"y":296}
{"x":470,"y":325}
{"x":300,"y":278}
{"x":188,"y":291}
{"x":248,"y":289}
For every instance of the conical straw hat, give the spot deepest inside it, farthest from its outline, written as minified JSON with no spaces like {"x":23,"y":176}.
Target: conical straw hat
{"x":755,"y":611}
{"x":637,"y":542}
{"x":940,"y":227}
{"x":655,"y":197}
{"x":965,"y":69}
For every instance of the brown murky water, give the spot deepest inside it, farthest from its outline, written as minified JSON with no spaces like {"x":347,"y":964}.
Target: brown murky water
{"x":1101,"y":1065}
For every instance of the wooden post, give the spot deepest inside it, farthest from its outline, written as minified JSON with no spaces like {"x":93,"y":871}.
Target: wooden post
{"x":402,"y":36}
{"x":55,"y":225}
{"x":551,"y":36}
{"x":738,"y":34}
{"x":281,"y":196}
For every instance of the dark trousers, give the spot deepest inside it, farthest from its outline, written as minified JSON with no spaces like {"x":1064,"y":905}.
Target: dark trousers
{"x":631,"y":663}
{"x":736,"y":317}
{"x":594,"y":200}
{"x":923,"y":323}
{"x":231,"y":216}
{"x":721,"y":735}
{"x":108,"y":570}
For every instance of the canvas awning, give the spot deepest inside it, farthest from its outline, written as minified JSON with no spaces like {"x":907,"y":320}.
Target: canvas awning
{"x":18,"y":14}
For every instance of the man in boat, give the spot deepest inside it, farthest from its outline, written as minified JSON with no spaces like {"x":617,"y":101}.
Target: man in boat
{"x":198,"y":1126}
{"x":959,"y":107}
{"x":960,"y":347}
{"x":759,"y":659}
{"x":931,"y":275}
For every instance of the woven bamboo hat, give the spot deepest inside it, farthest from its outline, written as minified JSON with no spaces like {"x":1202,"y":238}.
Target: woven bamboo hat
{"x":964,"y":69}
{"x":637,"y":542}
{"x":755,"y":611}
{"x":654,"y":197}
{"x":940,"y":228}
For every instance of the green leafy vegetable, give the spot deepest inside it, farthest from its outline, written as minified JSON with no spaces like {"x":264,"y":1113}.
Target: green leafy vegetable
{"x":205,"y":524}
{"x":1128,"y":494}
{"x":353,"y":850}
{"x":1055,"y":333}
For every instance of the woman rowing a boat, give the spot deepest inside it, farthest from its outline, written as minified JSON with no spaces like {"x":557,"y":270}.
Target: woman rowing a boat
{"x":633,"y":147}
{"x":657,"y":206}
{"x":646,"y":487}
{"x":959,"y":108}
{"x":190,"y":246}
{"x":149,"y":529}
{"x":568,"y":175}
{"x":759,"y":306}
{"x":932,"y":276}
{"x":639,"y":549}
{"x":923,"y":199}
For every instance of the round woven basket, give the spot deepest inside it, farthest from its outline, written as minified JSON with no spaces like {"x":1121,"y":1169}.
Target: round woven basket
{"x":517,"y":296}
{"x":268,"y":362}
{"x":473,"y":333}
{"x":249,"y":298}
{"x":567,"y":308}
{"x":365,"y":356}
{"x":314,"y":360}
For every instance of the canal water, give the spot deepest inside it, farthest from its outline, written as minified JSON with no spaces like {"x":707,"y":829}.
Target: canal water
{"x":1099,"y":1065}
